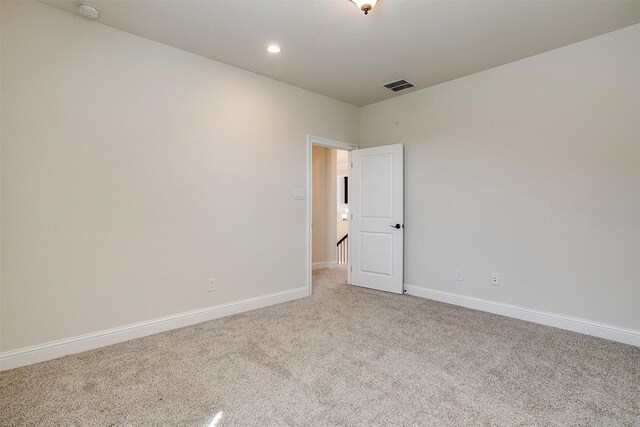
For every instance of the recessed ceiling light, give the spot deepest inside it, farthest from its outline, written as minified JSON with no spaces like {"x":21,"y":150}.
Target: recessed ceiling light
{"x":274,"y":49}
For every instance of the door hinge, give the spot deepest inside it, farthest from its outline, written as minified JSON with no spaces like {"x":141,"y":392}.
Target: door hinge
{"x":351,"y":164}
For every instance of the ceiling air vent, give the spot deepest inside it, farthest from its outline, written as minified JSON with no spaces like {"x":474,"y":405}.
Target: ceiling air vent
{"x":398,"y":85}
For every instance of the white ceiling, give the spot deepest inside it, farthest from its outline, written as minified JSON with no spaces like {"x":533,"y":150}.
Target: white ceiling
{"x":331,"y":48}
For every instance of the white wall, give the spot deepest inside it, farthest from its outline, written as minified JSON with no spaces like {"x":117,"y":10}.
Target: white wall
{"x":531,"y":170}
{"x":1,"y":43}
{"x":132,"y":172}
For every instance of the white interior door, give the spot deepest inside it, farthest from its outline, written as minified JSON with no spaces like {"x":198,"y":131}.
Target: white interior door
{"x":376,"y":193}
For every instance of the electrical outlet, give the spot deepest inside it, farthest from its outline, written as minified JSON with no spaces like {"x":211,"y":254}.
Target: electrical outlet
{"x":212,"y":285}
{"x":458,"y":275}
{"x":495,"y":279}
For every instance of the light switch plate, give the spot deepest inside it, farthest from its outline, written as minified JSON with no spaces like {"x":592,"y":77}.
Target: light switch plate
{"x":298,"y":194}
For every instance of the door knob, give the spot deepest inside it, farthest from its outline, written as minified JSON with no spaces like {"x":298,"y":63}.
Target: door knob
{"x":397,"y":226}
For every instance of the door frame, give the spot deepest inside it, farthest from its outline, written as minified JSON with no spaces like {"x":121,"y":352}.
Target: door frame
{"x":322,"y":142}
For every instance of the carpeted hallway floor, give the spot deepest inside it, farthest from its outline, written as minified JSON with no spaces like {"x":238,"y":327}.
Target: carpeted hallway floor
{"x":346,"y":356}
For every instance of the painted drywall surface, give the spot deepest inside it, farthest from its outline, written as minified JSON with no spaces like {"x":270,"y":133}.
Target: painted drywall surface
{"x":132,"y":172}
{"x":0,"y":173}
{"x":342,"y":159}
{"x":331,"y":206}
{"x":342,"y":227}
{"x":324,"y":206}
{"x":531,"y":170}
{"x":319,"y":208}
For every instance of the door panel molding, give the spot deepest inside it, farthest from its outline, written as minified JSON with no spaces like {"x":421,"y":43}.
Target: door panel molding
{"x":377,"y":207}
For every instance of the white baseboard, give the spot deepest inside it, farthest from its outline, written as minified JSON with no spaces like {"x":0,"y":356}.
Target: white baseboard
{"x":588,"y":327}
{"x":54,"y":349}
{"x":323,"y":265}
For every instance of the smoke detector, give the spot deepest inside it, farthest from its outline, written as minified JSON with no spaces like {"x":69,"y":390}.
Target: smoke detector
{"x":88,"y":10}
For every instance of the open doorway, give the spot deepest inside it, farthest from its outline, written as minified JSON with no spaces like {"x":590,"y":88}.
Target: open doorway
{"x":375,"y":254}
{"x":328,"y":208}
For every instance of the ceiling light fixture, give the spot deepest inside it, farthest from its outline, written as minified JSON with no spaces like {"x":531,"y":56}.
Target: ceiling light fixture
{"x":365,"y":5}
{"x":274,"y":49}
{"x":88,"y":10}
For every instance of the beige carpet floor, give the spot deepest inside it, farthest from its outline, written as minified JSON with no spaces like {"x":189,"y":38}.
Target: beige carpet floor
{"x":346,"y":356}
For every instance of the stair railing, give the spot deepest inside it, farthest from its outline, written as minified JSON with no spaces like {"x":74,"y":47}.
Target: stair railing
{"x":343,"y":249}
